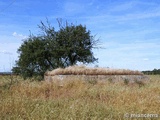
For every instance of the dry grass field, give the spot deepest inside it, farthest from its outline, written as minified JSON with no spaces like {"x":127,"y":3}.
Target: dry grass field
{"x":78,"y":100}
{"x":83,"y":70}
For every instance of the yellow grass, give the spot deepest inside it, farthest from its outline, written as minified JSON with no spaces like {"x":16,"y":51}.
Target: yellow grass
{"x":77,"y":100}
{"x":82,"y":70}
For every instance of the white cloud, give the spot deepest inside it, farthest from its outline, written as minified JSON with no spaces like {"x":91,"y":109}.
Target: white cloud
{"x":20,"y":36}
{"x":91,"y":2}
{"x":6,"y":52}
{"x":137,"y":56}
{"x":8,"y":55}
{"x":72,"y":8}
{"x":123,"y":6}
{"x":145,"y":59}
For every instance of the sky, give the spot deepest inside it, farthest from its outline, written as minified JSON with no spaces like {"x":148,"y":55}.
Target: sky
{"x":129,"y":30}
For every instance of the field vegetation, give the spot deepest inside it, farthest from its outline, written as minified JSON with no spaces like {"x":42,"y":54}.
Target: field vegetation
{"x":83,"y":70}
{"x":76,"y":99}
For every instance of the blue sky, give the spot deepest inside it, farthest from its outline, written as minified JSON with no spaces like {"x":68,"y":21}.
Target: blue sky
{"x":129,"y":30}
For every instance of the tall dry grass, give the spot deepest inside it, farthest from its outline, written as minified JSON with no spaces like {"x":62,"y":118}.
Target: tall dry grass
{"x":78,"y":100}
{"x":83,"y":70}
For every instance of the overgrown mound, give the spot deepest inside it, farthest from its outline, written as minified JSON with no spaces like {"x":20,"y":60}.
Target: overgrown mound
{"x":83,"y":70}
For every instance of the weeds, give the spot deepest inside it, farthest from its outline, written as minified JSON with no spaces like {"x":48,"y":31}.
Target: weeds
{"x":110,"y":80}
{"x":139,"y":83}
{"x":92,"y":81}
{"x":76,"y":99}
{"x":83,"y":70}
{"x":126,"y":81}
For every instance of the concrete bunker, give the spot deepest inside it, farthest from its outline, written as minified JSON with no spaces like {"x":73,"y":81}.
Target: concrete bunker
{"x":100,"y":74}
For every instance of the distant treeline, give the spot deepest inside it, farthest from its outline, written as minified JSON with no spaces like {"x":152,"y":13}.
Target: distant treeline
{"x":5,"y":73}
{"x":152,"y":72}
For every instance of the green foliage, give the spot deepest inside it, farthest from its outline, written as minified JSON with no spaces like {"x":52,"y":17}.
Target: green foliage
{"x":152,"y":72}
{"x":53,"y":49}
{"x":34,"y":59}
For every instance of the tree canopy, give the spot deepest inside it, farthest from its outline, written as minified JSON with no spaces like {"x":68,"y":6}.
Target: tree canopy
{"x":52,"y":49}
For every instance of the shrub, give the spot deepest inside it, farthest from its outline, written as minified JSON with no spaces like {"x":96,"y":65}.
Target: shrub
{"x":126,"y":81}
{"x":140,"y":83}
{"x":110,"y":80}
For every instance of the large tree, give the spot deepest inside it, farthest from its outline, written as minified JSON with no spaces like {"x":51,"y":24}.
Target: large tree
{"x":52,"y":49}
